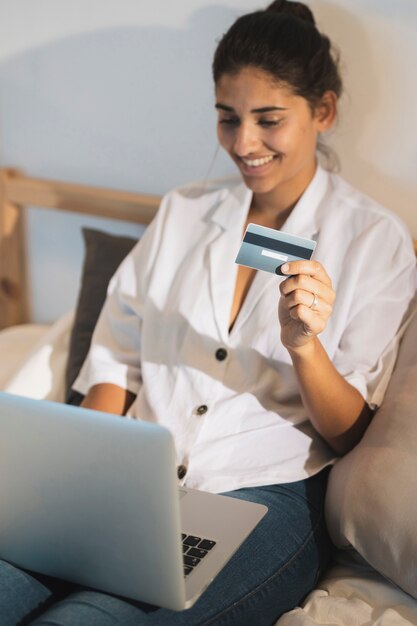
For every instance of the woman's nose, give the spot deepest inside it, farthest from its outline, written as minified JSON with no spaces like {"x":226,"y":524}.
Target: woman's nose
{"x":246,"y":140}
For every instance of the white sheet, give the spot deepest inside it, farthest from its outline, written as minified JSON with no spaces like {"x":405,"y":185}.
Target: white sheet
{"x":354,"y":594}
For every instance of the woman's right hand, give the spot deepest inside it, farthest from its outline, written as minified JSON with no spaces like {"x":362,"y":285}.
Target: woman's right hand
{"x":306,"y":302}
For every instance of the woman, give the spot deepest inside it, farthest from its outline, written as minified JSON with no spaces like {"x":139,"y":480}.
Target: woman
{"x":260,"y":401}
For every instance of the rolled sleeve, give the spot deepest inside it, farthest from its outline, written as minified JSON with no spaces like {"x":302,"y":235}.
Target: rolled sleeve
{"x":385,"y":286}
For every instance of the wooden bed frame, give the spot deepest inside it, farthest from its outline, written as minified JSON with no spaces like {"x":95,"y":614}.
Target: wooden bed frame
{"x":18,"y":191}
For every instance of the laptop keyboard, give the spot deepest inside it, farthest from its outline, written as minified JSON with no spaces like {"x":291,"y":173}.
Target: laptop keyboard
{"x":194,"y":549}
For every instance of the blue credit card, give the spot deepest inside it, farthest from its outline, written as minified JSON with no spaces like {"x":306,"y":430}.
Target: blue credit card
{"x":267,"y":249}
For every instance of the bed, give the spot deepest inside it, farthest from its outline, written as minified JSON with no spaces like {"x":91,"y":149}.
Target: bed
{"x":371,"y":509}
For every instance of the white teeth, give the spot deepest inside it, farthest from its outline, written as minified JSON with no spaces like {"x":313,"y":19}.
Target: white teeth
{"x":257,"y":162}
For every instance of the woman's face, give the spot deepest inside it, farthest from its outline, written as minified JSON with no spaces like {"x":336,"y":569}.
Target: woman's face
{"x":270,"y":133}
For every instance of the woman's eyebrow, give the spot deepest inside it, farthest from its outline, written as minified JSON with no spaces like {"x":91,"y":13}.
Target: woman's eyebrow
{"x":268,"y":109}
{"x":223,"y":107}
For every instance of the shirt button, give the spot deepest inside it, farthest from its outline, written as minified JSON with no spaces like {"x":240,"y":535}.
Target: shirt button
{"x":181,"y":471}
{"x":221,"y":354}
{"x":200,"y":410}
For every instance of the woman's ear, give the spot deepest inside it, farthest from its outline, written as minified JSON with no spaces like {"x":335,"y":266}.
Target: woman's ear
{"x":326,"y":111}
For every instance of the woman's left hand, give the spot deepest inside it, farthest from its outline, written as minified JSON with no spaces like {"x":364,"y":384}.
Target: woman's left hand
{"x":306,"y":302}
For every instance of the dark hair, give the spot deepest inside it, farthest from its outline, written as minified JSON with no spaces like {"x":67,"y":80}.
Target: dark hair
{"x":284,"y":42}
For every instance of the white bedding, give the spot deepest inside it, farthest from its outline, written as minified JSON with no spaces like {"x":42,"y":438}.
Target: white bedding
{"x":15,"y":343}
{"x":33,"y":359}
{"x":352,"y":593}
{"x":32,"y":363}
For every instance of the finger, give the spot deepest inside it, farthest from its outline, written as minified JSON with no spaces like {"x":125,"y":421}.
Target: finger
{"x":307,"y":283}
{"x":311,"y":268}
{"x":313,"y":323}
{"x":309,"y":300}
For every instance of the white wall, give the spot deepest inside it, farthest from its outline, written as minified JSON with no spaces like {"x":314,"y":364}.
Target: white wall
{"x":119,"y":93}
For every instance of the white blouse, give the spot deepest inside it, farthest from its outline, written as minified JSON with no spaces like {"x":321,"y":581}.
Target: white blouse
{"x":231,"y":400}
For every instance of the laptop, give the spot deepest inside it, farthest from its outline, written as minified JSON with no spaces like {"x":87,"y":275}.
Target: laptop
{"x":94,"y":499}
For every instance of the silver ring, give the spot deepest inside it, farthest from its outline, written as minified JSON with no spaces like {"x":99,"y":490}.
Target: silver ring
{"x":315,"y":302}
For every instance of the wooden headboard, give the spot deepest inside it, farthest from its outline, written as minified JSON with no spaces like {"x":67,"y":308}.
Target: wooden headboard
{"x":18,"y":191}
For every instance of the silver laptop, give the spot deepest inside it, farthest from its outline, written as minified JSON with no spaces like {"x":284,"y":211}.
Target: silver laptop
{"x":94,"y":499}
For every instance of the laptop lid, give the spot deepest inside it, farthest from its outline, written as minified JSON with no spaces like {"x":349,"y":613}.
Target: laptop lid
{"x":93,"y":498}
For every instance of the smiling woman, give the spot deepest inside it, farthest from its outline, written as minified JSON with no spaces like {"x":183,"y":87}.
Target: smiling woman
{"x":271,"y":134}
{"x":287,"y":373}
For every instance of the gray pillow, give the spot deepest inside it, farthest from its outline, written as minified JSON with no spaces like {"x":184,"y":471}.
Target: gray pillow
{"x":103,"y":255}
{"x":372,"y":493}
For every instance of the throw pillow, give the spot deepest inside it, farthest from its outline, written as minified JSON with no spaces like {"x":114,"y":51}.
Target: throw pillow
{"x":103,"y":255}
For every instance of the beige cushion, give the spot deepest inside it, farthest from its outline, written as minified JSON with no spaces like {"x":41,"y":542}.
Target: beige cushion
{"x":372,"y":496}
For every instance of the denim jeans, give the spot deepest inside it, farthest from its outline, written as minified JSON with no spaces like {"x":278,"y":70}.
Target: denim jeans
{"x":272,"y":572}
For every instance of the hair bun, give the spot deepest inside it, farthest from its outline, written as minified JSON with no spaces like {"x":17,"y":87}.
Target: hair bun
{"x":295,"y":9}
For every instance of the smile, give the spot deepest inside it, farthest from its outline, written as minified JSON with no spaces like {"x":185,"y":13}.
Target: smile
{"x":257,"y":162}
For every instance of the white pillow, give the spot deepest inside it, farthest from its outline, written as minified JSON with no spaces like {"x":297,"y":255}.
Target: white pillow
{"x":42,"y":374}
{"x":372,"y":495}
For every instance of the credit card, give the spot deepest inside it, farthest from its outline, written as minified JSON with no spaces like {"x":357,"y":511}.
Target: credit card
{"x":267,"y":249}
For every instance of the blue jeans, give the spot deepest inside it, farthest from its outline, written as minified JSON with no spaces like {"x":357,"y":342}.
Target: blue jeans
{"x":272,"y":572}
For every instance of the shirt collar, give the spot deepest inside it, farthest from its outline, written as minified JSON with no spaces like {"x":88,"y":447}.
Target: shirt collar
{"x":233,"y":201}
{"x":303,"y":219}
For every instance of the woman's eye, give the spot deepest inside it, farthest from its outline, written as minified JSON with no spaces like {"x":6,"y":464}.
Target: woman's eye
{"x":229,"y":121}
{"x":269,"y":123}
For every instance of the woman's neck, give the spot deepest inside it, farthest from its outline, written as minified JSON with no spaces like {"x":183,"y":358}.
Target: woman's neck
{"x":269,"y":215}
